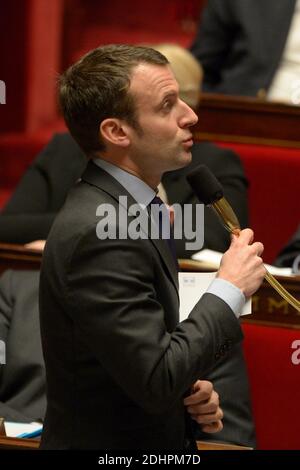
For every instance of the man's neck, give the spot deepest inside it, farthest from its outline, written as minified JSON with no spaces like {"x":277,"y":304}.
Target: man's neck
{"x":129,"y":166}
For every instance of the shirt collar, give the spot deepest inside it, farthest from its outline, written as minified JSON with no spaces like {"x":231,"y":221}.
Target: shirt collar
{"x":136,"y":187}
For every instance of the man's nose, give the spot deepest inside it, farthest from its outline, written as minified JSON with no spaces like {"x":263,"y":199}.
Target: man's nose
{"x":189,"y":117}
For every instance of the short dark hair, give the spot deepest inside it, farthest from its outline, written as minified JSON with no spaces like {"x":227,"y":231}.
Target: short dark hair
{"x":96,"y":88}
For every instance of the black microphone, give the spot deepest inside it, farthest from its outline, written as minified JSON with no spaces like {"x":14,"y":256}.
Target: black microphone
{"x":205,"y":185}
{"x":209,"y":191}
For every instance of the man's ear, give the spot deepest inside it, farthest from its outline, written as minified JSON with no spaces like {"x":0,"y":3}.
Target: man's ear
{"x":115,"y":131}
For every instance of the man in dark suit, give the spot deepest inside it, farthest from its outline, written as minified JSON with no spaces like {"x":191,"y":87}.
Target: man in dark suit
{"x":22,"y":377}
{"x":41,"y":193}
{"x":114,"y":350}
{"x":43,"y":189}
{"x":240,"y":44}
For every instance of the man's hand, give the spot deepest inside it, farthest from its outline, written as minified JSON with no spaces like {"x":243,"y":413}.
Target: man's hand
{"x":241,"y":263}
{"x":203,"y":406}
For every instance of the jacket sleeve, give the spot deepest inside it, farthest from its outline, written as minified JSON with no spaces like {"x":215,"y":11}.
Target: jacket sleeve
{"x":11,"y":414}
{"x":6,"y":302}
{"x":21,"y":381}
{"x":131,"y":323}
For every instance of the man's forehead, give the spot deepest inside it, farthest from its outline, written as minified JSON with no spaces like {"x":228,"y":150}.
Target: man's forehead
{"x":152,"y":79}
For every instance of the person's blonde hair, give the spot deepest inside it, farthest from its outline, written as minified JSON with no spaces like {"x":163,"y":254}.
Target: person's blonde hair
{"x":187,"y":70}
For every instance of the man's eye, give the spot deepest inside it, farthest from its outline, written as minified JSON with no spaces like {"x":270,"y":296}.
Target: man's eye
{"x":167,"y":105}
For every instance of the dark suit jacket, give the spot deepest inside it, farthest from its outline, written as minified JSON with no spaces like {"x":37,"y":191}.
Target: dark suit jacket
{"x":289,"y":252}
{"x":42,"y":191}
{"x":30,"y":214}
{"x":22,"y":378}
{"x":240,"y":43}
{"x":117,"y":362}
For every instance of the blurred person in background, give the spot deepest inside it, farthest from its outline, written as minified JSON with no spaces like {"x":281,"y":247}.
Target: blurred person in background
{"x":251,"y":47}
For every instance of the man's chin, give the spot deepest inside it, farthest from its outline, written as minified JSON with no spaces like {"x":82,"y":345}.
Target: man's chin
{"x":185,"y":159}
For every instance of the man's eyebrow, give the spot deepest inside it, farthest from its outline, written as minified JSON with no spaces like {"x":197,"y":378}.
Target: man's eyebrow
{"x":171,"y":93}
{"x":168,"y":94}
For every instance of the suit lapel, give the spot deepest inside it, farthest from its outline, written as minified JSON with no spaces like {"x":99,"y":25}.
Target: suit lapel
{"x":165,"y":253}
{"x":105,"y":182}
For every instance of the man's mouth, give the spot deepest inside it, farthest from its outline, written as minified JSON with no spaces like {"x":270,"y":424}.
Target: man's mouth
{"x":188,"y":142}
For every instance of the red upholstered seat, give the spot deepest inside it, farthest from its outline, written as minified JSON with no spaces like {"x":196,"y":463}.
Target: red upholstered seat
{"x":133,"y":22}
{"x":275,"y":385}
{"x":274,"y":175}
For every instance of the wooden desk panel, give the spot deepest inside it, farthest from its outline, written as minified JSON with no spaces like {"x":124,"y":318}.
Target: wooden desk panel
{"x":270,"y":309}
{"x":17,"y":257}
{"x":14,"y":443}
{"x":247,"y":120}
{"x":207,"y":445}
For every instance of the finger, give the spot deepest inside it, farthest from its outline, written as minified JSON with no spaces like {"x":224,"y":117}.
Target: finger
{"x":208,"y":418}
{"x":258,"y":248}
{"x":202,"y":392}
{"x":213,"y":427}
{"x":203,"y":408}
{"x":246,"y":236}
{"x":209,"y":406}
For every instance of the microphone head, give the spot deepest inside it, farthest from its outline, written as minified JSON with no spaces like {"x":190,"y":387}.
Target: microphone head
{"x":205,"y":185}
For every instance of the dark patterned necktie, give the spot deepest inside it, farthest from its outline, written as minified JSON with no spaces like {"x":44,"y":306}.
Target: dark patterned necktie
{"x":164,"y":213}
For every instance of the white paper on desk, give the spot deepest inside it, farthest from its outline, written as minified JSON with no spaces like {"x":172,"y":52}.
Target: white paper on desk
{"x":212,"y":259}
{"x":191,"y":288}
{"x":13,"y":429}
